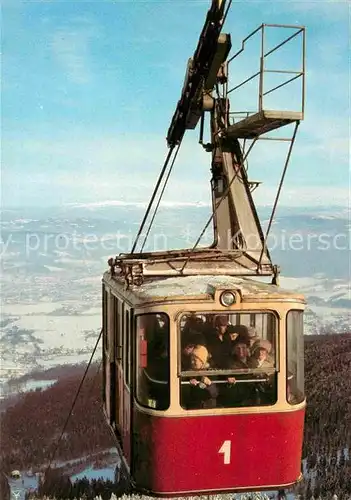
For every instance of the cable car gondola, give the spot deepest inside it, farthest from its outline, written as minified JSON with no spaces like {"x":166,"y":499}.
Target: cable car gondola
{"x":202,"y":350}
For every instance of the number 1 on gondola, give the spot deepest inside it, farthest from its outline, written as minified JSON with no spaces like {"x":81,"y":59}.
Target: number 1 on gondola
{"x":226,"y":449}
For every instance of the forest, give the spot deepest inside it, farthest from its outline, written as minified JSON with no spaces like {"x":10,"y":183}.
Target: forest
{"x":31,"y":428}
{"x":327,"y":439}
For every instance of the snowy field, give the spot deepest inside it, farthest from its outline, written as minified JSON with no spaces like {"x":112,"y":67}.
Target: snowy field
{"x":25,"y":483}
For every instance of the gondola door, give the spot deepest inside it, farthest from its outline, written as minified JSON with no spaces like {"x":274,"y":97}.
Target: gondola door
{"x":119,"y":318}
{"x":108,"y":357}
{"x":118,"y":336}
{"x":122,"y":353}
{"x":105,"y":371}
{"x":126,"y":410}
{"x":112,"y":363}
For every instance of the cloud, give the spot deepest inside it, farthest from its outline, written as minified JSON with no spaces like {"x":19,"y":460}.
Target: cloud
{"x":70,"y":45}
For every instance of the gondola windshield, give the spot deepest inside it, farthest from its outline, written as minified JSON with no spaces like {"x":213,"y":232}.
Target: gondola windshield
{"x":228,"y":360}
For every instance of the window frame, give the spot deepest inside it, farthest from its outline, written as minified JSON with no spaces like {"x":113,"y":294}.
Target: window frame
{"x":123,"y":336}
{"x":300,"y":358}
{"x":274,"y":372}
{"x":105,"y":311}
{"x":135,"y":369}
{"x":105,"y":314}
{"x":118,"y":348}
{"x":128,"y":345}
{"x":276,"y":344}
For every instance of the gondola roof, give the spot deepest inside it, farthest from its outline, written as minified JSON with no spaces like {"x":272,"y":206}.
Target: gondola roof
{"x":180,"y":288}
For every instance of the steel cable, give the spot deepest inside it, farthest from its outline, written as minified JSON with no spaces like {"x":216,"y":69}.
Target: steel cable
{"x":152,"y":198}
{"x":278,"y":191}
{"x":74,"y":401}
{"x":160,"y":197}
{"x":225,"y":194}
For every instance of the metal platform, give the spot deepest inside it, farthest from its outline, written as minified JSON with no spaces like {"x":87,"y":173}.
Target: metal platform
{"x":262,"y":122}
{"x":201,"y":261}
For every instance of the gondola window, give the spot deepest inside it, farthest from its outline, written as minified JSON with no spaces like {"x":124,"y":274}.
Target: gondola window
{"x":228,"y":360}
{"x":153,"y":362}
{"x":295,"y":358}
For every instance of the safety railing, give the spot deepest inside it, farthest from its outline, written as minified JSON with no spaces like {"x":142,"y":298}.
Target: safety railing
{"x":299,"y":31}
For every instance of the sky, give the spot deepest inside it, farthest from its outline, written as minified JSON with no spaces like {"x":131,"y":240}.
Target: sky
{"x":89,"y":89}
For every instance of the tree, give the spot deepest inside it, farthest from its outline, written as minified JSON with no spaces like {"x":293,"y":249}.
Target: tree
{"x":5,"y":491}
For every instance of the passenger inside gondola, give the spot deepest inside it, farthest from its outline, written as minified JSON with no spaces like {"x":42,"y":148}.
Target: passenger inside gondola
{"x":192,"y":340}
{"x":187,"y":349}
{"x":240,"y":355}
{"x":260,"y":358}
{"x":192,"y":336}
{"x":234,"y":356}
{"x":238,"y":391}
{"x":233,"y":335}
{"x":253,"y":335}
{"x":199,"y":392}
{"x":218,"y":341}
{"x":265,"y":344}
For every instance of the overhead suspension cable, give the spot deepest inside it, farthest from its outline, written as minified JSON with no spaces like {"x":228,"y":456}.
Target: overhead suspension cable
{"x":74,"y":401}
{"x":279,"y":190}
{"x":160,"y":197}
{"x":226,"y":12}
{"x":96,"y":376}
{"x":225,"y":194}
{"x":153,"y":197}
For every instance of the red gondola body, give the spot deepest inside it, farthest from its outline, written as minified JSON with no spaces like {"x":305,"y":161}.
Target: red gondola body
{"x":170,"y":448}
{"x":202,"y":454}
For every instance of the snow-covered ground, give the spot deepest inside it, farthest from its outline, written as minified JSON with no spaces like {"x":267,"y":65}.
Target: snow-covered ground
{"x":28,"y":482}
{"x":25,"y":483}
{"x":328,"y":303}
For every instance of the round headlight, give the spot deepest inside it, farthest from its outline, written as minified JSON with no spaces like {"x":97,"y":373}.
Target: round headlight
{"x":227,"y":299}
